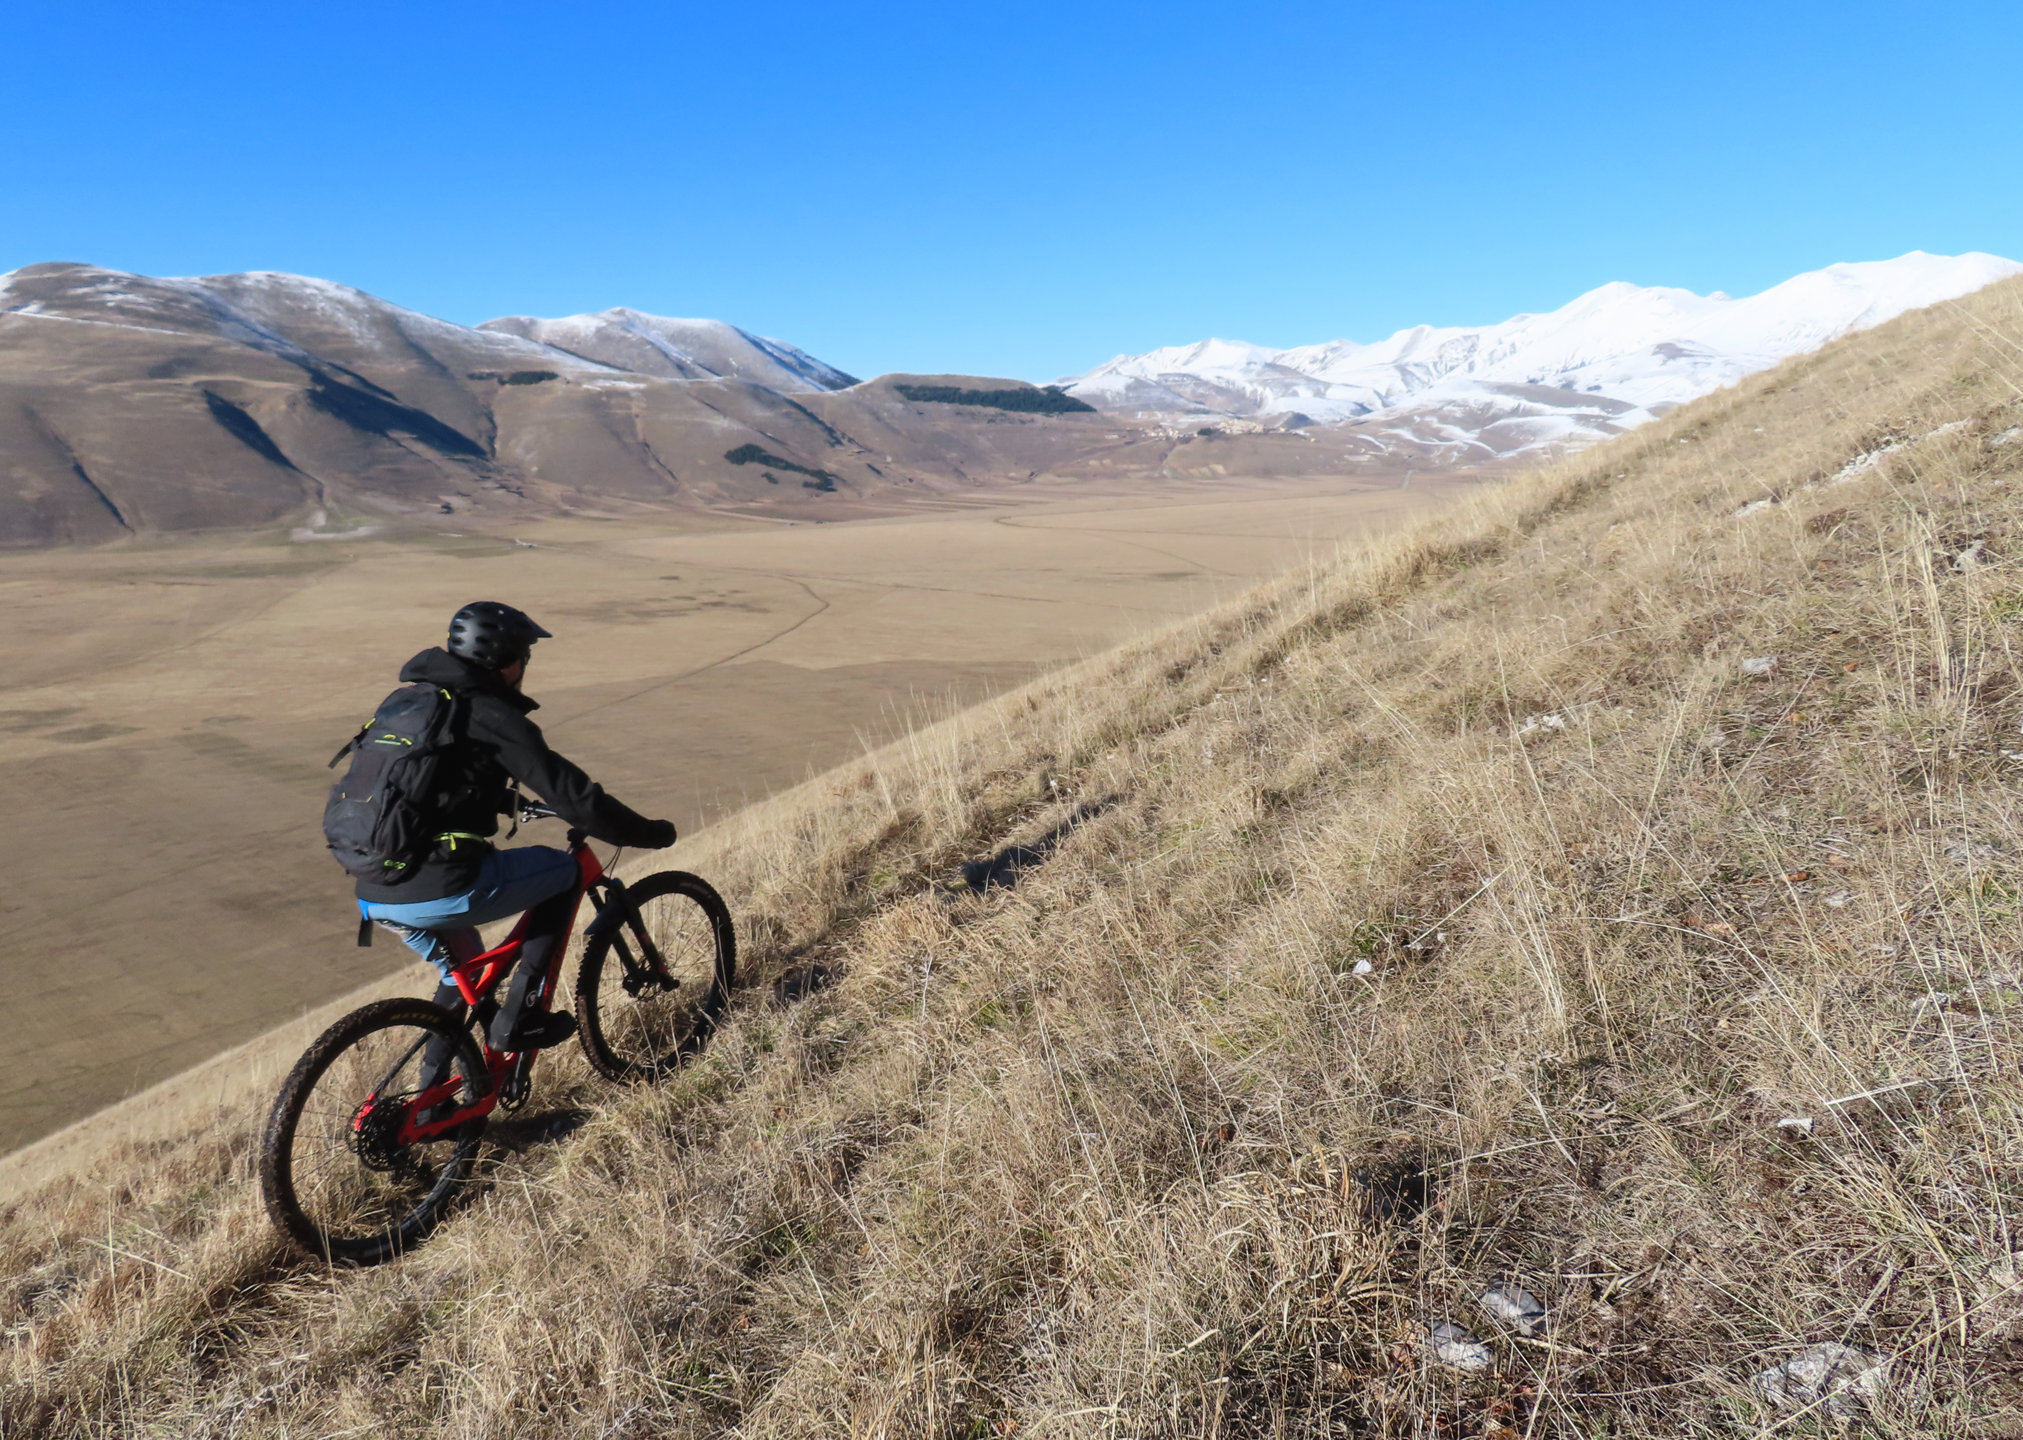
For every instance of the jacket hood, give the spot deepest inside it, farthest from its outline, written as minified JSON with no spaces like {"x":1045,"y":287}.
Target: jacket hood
{"x":436,"y":666}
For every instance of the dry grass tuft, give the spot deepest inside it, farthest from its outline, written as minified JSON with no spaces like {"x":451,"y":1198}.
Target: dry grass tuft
{"x":1463,"y":911}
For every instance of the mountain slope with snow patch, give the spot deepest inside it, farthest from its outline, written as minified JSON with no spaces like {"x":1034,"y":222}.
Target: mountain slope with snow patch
{"x":1607,"y":361}
{"x":140,"y":406}
{"x":678,"y":349}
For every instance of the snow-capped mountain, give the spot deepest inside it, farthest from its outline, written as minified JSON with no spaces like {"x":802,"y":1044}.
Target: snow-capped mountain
{"x":133,"y":405}
{"x":290,"y":317}
{"x":678,"y":349}
{"x":1609,"y":360}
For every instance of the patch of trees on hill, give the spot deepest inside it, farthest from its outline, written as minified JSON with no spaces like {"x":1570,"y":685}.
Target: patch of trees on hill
{"x":1041,"y":400}
{"x":749,"y":454}
{"x":515,"y":377}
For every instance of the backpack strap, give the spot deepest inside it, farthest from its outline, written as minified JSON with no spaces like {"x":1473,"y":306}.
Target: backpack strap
{"x":456,"y":731}
{"x":350,"y":745}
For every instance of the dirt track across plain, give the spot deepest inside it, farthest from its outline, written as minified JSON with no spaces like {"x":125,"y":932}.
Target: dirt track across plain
{"x":165,"y":714}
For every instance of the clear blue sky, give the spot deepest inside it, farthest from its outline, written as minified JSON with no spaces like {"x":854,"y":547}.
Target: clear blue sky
{"x":1013,"y":189}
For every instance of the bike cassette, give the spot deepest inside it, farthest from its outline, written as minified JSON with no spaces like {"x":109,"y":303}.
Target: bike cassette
{"x":374,"y":1137}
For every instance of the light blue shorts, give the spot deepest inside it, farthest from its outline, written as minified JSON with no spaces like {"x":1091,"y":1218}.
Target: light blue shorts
{"x":508,"y":882}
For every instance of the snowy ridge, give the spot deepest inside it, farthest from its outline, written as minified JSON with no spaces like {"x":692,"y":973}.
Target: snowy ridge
{"x":677,"y":349}
{"x":278,"y":299}
{"x":1608,"y":360}
{"x":281,"y":314}
{"x":287,"y":315}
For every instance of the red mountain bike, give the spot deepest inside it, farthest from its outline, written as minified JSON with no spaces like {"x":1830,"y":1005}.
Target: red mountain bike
{"x":378,"y":1123}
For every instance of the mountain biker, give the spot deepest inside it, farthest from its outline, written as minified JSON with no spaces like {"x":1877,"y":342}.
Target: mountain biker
{"x":465,"y":881}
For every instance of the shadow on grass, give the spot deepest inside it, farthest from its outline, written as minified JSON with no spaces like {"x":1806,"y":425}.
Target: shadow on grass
{"x":1004,"y":870}
{"x":517,"y":1134}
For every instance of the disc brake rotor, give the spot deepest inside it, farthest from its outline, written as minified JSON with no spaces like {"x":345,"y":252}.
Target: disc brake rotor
{"x":644,"y":982}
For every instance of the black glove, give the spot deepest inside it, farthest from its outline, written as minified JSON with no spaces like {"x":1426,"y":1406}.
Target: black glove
{"x":663,"y":835}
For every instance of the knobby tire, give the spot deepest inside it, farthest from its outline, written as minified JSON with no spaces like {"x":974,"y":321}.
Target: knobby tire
{"x":643,"y":1037}
{"x":448,"y":1159}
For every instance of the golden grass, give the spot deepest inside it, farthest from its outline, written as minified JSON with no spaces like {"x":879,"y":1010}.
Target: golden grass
{"x":1118,"y":1149}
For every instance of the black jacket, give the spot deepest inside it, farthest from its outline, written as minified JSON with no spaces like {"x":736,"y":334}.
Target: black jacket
{"x":499,"y":744}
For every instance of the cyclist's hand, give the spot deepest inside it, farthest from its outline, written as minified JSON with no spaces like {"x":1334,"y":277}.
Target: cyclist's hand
{"x":663,"y":835}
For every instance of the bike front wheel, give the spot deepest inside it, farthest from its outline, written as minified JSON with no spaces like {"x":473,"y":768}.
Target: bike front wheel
{"x":655,"y":977}
{"x":337,"y":1177}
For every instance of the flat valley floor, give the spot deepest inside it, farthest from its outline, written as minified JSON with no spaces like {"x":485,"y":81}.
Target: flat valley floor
{"x":166,"y":713}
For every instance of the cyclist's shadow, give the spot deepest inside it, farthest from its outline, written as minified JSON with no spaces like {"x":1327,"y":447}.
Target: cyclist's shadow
{"x":1005,"y":869}
{"x":517,"y":1134}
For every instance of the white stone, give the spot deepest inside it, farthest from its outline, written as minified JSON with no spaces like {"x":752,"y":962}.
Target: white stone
{"x":1838,"y":1378}
{"x":1452,"y":1346}
{"x":1513,"y":1307}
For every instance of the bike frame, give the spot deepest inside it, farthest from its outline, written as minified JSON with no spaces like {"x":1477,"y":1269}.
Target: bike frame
{"x":476,"y":978}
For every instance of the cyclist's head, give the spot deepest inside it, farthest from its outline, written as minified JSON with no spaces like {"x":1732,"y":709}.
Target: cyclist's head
{"x":495,"y":636}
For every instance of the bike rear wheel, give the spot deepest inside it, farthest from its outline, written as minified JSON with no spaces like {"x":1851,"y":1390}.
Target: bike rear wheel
{"x":634,"y":1025}
{"x":335,"y":1175}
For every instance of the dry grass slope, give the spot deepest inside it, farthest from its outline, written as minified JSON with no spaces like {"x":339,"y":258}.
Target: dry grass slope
{"x":1128,"y":1146}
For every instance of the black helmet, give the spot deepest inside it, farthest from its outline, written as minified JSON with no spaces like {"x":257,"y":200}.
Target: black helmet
{"x":487,"y":633}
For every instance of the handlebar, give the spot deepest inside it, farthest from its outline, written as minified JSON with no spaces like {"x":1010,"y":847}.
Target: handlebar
{"x":535,"y":810}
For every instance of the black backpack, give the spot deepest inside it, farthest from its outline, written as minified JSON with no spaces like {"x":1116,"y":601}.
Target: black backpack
{"x":381,"y":817}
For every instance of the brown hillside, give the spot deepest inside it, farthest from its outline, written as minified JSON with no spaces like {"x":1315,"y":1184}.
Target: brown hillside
{"x":139,"y":407}
{"x":134,"y":407}
{"x":1466,"y":911}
